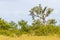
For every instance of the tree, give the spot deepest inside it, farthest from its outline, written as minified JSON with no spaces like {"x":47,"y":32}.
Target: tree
{"x":13,"y":25}
{"x":4,"y":24}
{"x":36,"y":23}
{"x":41,"y":13}
{"x":51,"y":21}
{"x":23,"y":25}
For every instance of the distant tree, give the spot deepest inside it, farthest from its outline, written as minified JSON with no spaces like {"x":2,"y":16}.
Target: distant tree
{"x":23,"y":24}
{"x":13,"y":25}
{"x":36,"y":23}
{"x":41,"y":13}
{"x":4,"y":24}
{"x":51,"y":21}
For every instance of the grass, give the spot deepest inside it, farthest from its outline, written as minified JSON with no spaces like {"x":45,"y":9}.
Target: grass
{"x":29,"y":37}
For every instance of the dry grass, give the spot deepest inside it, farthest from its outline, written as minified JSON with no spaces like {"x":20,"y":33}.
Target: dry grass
{"x":27,"y":37}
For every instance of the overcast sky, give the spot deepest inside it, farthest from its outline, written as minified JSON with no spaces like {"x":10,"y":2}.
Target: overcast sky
{"x":19,"y":9}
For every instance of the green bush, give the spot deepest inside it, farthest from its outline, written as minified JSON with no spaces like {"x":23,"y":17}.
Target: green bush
{"x":46,"y":30}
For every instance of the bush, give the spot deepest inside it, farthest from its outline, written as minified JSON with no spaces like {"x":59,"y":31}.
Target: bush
{"x":46,"y":30}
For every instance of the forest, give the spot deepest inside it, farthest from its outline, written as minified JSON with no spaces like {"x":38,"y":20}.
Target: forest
{"x":39,"y":27}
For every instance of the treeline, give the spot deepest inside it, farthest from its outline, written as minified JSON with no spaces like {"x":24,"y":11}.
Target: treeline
{"x":39,"y":26}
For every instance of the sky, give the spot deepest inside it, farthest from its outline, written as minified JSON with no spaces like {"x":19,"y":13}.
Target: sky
{"x":19,"y":9}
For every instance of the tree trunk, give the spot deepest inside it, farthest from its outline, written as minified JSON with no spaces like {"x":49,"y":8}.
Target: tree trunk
{"x":44,"y":21}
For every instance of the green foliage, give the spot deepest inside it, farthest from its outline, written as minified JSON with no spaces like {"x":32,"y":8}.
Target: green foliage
{"x":40,"y":12}
{"x":6,"y":33}
{"x":24,"y":26}
{"x":13,"y":24}
{"x":37,"y":28}
{"x":4,"y":24}
{"x":36,"y":23}
{"x":47,"y":30}
{"x":51,"y":21}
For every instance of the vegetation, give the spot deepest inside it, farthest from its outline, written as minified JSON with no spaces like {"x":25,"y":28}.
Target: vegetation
{"x":39,"y":27}
{"x":40,"y":12}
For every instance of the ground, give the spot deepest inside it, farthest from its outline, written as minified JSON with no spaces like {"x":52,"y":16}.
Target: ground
{"x":28,"y":37}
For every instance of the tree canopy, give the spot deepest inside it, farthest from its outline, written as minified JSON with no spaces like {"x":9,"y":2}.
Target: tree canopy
{"x":40,"y":12}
